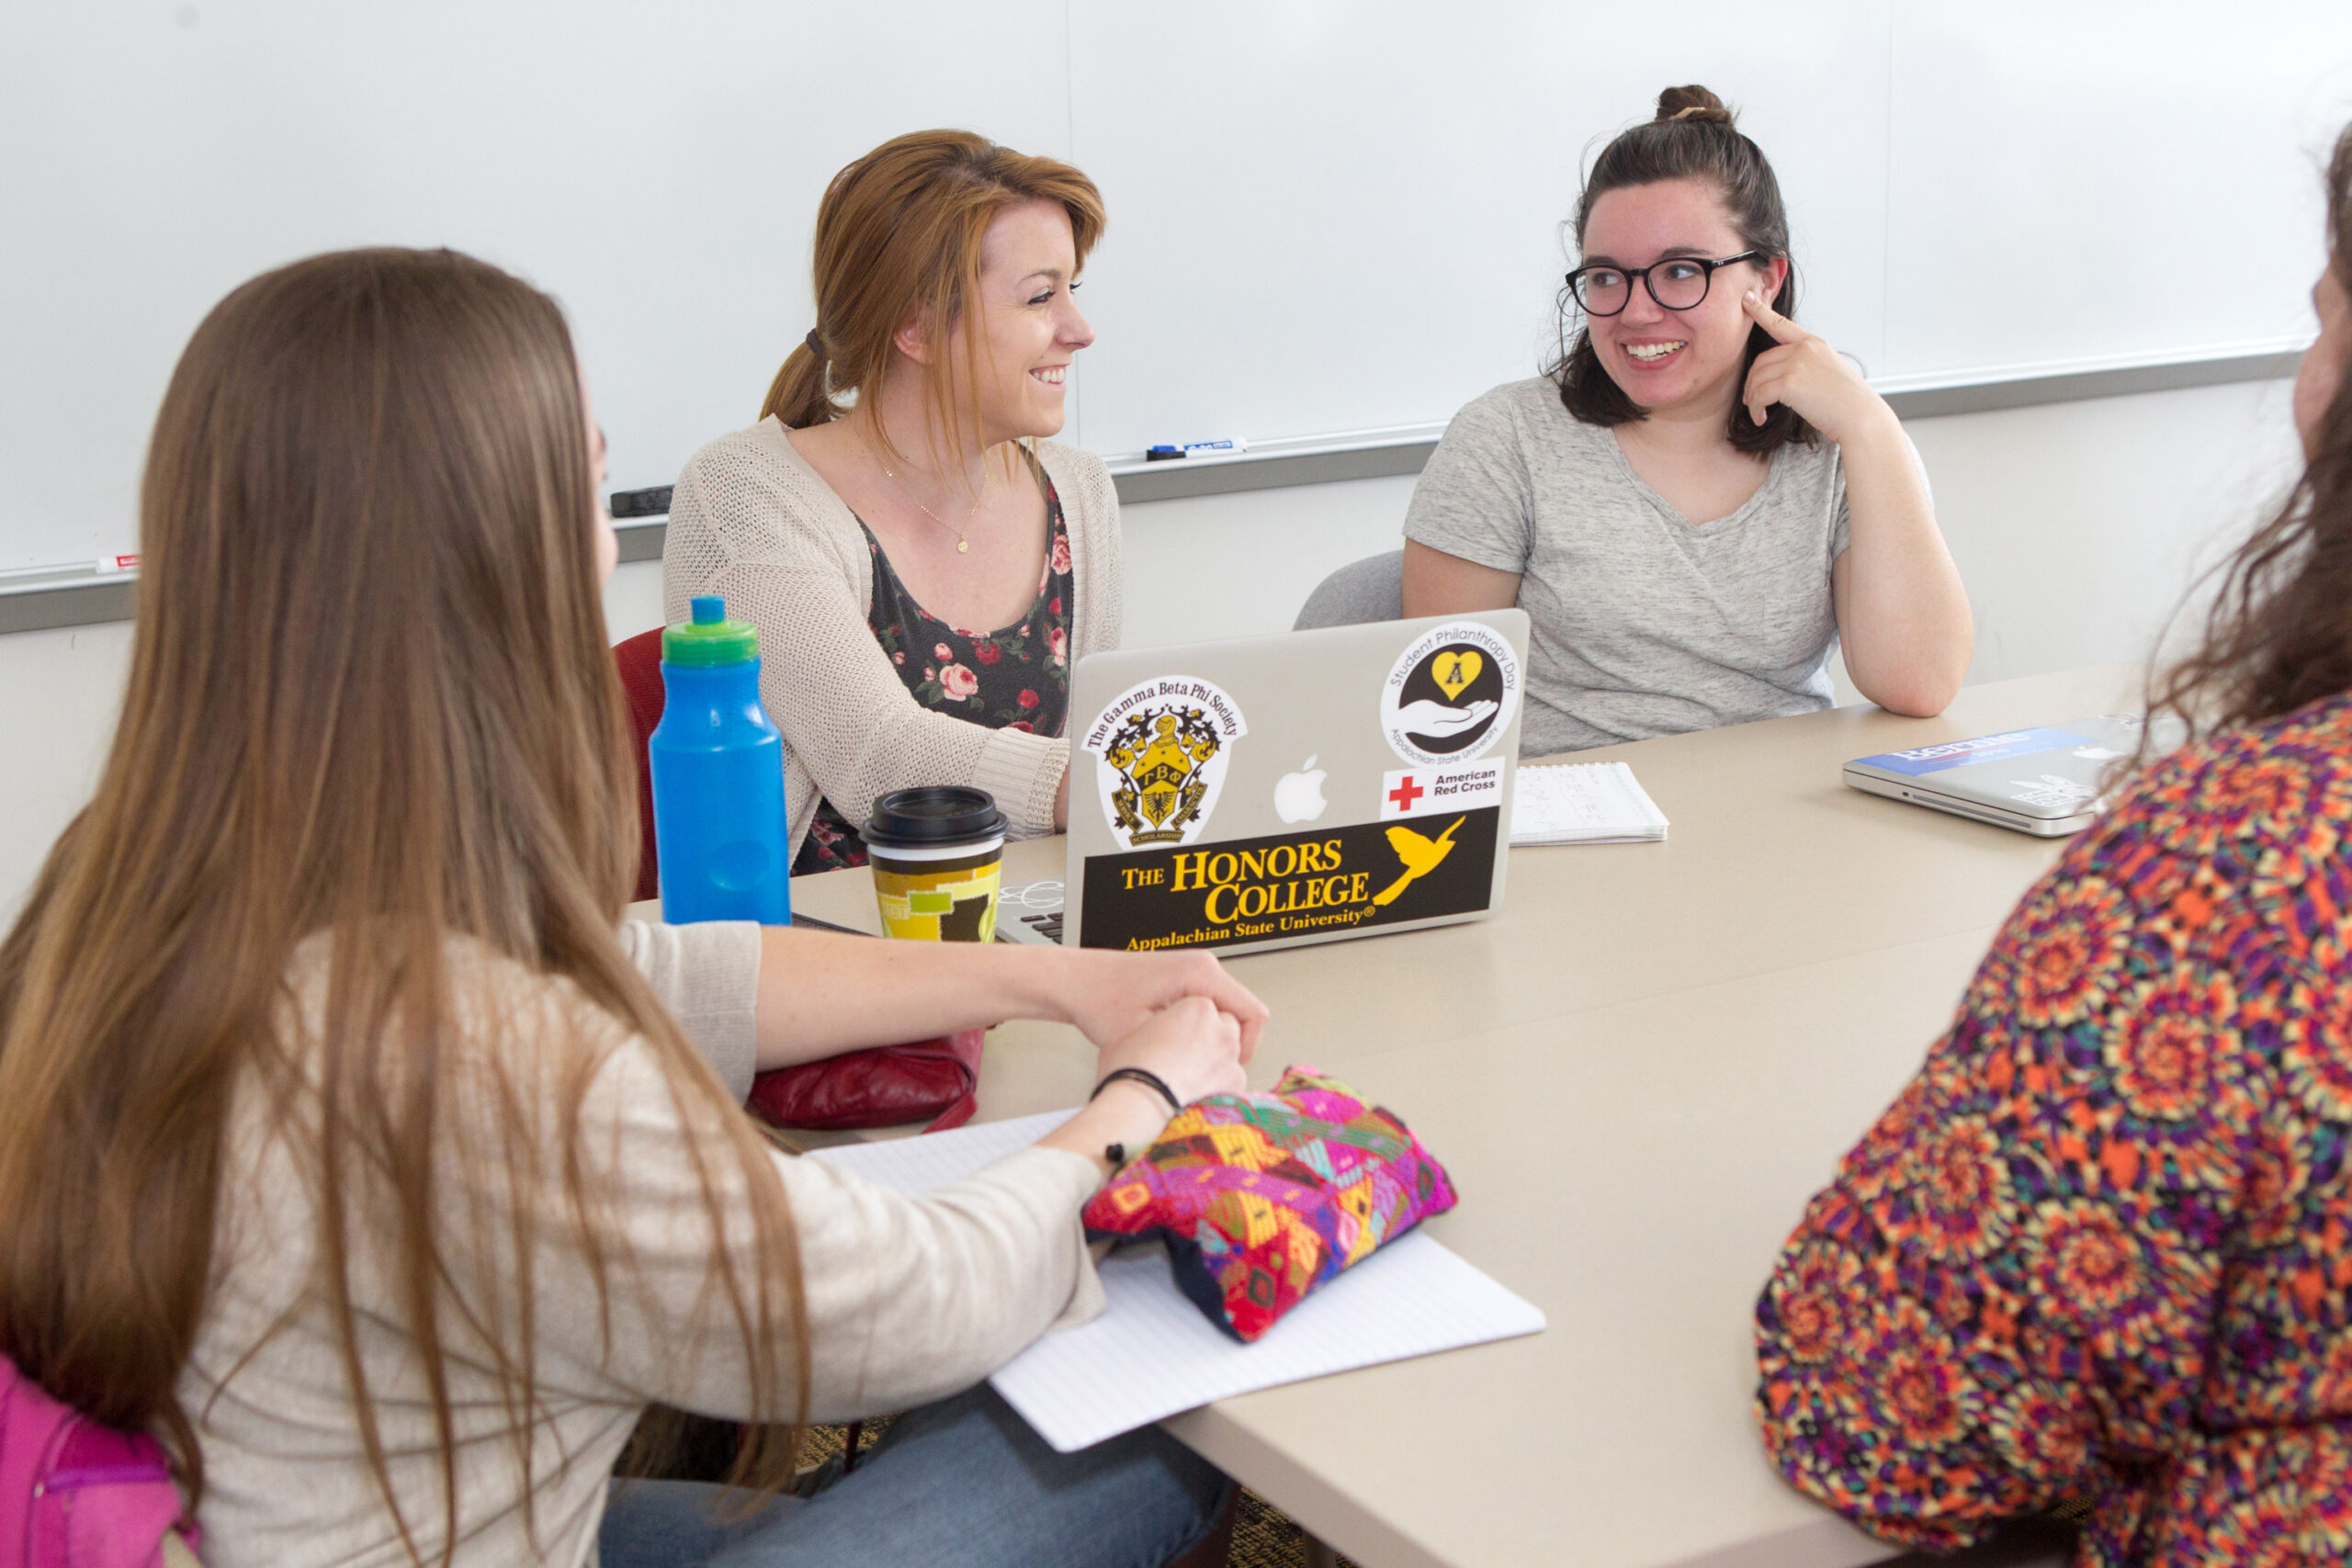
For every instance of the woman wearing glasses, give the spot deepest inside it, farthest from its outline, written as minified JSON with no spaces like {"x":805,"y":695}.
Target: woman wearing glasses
{"x":1701,"y":500}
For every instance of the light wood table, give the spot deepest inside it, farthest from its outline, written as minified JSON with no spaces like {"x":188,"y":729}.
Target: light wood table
{"x":1636,"y":1073}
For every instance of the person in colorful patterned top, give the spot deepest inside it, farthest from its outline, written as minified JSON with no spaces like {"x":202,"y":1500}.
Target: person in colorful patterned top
{"x":924,"y":567}
{"x":2096,"y":1259}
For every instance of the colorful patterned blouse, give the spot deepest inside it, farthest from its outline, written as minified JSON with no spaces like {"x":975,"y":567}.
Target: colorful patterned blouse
{"x":1013,"y":678}
{"x":2097,"y":1257}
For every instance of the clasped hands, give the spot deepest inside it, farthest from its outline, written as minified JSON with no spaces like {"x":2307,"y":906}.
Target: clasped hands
{"x":1180,"y":1015}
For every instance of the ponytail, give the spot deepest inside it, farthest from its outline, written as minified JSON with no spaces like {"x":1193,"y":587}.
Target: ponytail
{"x":796,"y":398}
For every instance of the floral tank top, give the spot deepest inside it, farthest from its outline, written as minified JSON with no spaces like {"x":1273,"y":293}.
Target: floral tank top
{"x":2096,"y":1259}
{"x":1014,"y":678}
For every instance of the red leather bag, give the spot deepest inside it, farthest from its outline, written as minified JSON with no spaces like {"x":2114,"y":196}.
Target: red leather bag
{"x":886,"y":1086}
{"x":877,"y":1088}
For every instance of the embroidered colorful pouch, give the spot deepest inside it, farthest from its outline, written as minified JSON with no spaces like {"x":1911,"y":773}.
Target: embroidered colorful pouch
{"x":1263,"y":1197}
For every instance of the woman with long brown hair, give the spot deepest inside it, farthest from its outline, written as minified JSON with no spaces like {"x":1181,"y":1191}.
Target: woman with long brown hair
{"x":348,"y":1139}
{"x":2097,"y":1257}
{"x":924,"y":566}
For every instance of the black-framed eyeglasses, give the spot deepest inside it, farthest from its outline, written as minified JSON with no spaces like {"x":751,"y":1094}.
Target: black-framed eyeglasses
{"x":1678,"y":283}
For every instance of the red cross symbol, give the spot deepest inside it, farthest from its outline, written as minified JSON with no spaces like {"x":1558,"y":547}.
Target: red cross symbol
{"x":1406,"y":793}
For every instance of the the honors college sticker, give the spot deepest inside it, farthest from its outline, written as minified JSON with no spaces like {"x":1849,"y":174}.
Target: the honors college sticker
{"x":1321,"y":882}
{"x":1164,"y":746}
{"x":1450,"y":693}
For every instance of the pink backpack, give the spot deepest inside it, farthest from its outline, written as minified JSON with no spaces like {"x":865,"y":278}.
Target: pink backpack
{"x":76,"y":1494}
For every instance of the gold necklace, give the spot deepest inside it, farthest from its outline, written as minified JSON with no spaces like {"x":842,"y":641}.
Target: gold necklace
{"x":963,"y":546}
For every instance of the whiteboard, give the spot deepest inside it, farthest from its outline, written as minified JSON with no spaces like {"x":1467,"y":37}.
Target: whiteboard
{"x":1359,"y":211}
{"x":656,"y":167}
{"x":2083,"y":182}
{"x":1325,"y":217}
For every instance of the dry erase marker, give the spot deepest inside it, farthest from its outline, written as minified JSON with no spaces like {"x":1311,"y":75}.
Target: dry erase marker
{"x":119,"y":563}
{"x":1226,"y":447}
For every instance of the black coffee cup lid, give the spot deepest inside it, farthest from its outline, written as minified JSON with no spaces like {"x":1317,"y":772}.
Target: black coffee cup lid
{"x":934,"y":817}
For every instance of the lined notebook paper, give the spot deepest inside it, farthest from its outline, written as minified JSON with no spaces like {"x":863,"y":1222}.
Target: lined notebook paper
{"x":1152,"y":1353}
{"x":1583,"y":802}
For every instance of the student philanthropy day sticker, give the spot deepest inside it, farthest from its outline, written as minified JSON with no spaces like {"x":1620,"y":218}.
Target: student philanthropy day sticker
{"x":1164,"y":745}
{"x":1450,"y":694}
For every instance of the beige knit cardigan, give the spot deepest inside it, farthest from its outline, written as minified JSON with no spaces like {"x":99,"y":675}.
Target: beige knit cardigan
{"x":907,"y":1297}
{"x":751,"y":520}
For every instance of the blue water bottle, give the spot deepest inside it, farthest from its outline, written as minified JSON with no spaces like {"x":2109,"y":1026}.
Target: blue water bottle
{"x":719,"y":825}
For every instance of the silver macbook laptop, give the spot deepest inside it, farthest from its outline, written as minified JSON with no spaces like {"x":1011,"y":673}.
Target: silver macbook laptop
{"x":2046,"y":781}
{"x":1274,"y":791}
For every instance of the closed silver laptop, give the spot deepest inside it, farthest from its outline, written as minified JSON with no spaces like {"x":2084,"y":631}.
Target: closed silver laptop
{"x":1272,"y":791}
{"x":2048,"y":781}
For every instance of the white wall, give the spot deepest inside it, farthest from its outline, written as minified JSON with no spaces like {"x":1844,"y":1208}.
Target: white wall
{"x":59,"y":693}
{"x":2078,"y":528}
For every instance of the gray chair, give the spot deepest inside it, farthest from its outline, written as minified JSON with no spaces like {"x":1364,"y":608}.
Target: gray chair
{"x":1369,"y":590}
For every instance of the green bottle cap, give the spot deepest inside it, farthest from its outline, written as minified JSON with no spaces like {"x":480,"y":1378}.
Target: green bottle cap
{"x":710,"y":638}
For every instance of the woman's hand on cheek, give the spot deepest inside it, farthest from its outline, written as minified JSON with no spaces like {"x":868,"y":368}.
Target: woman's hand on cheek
{"x":1809,"y":375}
{"x":1111,"y":994}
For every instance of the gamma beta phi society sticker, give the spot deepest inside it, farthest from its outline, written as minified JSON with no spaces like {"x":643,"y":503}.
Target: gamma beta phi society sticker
{"x":1450,"y":694}
{"x":1164,"y":745}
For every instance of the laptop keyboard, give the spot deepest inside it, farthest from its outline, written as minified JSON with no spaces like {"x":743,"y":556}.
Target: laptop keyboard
{"x":1036,"y":905}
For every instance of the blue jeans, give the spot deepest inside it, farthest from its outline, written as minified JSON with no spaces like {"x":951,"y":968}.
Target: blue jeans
{"x":963,"y":1484}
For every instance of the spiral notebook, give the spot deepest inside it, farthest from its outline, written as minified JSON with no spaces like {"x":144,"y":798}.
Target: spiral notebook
{"x":1151,"y":1353}
{"x":1583,"y":802}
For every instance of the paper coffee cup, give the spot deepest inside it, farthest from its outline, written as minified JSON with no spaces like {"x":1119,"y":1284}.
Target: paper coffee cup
{"x":937,"y":855}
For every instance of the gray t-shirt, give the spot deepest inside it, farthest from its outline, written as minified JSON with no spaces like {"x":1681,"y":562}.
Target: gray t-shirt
{"x":1644,"y":625}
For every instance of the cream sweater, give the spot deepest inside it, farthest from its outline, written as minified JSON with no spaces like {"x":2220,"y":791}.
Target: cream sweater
{"x":909,"y":1299}
{"x":750,"y":519}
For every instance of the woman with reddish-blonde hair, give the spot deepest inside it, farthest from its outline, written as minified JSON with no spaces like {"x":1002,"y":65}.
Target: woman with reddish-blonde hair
{"x":350,"y":1142}
{"x":924,"y":565}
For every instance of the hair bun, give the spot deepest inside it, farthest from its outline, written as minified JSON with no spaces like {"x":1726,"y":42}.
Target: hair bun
{"x":1692,"y":103}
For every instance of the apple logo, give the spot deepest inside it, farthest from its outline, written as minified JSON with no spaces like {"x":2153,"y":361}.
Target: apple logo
{"x":1298,"y":797}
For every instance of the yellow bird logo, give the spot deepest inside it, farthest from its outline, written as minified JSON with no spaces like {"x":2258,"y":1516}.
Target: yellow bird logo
{"x":1421,"y":854}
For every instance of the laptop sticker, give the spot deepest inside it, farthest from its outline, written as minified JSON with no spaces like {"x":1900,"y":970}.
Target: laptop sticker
{"x":1164,"y":745}
{"x":1921,"y":760}
{"x":1357,"y":877}
{"x":1450,"y":694}
{"x":1449,"y":786}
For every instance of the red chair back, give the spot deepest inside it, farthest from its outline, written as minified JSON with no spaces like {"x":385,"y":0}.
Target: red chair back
{"x":639,"y":659}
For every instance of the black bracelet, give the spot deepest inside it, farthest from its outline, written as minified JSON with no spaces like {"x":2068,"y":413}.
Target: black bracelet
{"x":1149,"y":1079}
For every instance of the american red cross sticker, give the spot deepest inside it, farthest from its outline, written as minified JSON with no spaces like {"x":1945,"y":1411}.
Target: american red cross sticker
{"x":1406,"y":793}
